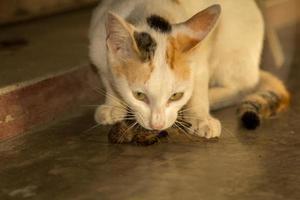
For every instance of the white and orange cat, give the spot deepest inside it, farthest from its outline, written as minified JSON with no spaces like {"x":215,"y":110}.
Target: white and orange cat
{"x":171,"y":57}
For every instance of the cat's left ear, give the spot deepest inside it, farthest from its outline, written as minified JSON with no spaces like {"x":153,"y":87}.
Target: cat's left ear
{"x":191,"y":32}
{"x":119,"y":37}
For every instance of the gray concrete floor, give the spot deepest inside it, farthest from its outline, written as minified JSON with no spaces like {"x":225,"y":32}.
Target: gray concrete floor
{"x":68,"y":162}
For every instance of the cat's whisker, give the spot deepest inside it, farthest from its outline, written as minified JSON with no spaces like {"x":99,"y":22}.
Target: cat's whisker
{"x":129,"y":112}
{"x":127,"y":118}
{"x":111,"y":96}
{"x":117,"y":99}
{"x":228,"y":131}
{"x":128,"y":129}
{"x":185,"y":126}
{"x":182,"y":121}
{"x":188,"y":108}
{"x":187,"y":114}
{"x":182,"y":125}
{"x":183,"y":131}
{"x":93,"y":127}
{"x":191,"y":117}
{"x":177,"y":126}
{"x":142,"y":118}
{"x":133,"y":116}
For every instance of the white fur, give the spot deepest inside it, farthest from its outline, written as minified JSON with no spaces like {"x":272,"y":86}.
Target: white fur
{"x":225,"y":64}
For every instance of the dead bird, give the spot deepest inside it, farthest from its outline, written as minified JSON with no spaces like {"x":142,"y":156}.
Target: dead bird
{"x":122,"y":133}
{"x":125,"y":133}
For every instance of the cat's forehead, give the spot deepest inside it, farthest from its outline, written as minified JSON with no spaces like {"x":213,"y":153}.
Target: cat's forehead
{"x":159,"y":61}
{"x":160,"y":83}
{"x":152,"y":36}
{"x":158,"y":51}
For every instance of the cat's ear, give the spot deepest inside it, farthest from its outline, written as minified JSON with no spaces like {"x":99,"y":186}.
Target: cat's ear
{"x":189,"y":33}
{"x":119,"y":37}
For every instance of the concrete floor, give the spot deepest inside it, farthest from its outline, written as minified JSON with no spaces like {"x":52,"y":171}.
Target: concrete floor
{"x":67,"y":162}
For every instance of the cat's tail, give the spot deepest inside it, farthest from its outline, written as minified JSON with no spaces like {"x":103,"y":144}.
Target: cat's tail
{"x":270,"y":98}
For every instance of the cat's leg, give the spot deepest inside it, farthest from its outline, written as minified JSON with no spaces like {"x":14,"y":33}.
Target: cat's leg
{"x":234,"y":85}
{"x":236,"y":57}
{"x":197,"y":112}
{"x":113,"y":110}
{"x":221,"y":97}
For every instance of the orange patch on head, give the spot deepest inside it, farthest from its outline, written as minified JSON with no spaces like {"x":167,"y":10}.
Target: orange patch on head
{"x":134,"y":71}
{"x":177,"y":59}
{"x":186,"y":43}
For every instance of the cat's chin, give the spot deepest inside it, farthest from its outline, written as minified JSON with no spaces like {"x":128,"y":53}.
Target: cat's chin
{"x":142,"y":125}
{"x":150,"y":129}
{"x":145,"y":127}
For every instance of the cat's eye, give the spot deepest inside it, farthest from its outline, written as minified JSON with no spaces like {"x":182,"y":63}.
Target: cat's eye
{"x":140,"y":96}
{"x":176,"y":96}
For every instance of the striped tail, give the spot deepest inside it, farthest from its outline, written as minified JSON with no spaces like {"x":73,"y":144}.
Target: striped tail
{"x":270,"y":98}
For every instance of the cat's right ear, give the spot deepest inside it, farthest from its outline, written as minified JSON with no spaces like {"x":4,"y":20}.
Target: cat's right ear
{"x":119,"y":37}
{"x":191,"y":32}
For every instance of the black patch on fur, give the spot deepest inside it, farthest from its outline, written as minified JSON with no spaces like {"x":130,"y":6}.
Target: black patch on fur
{"x":250,"y":120}
{"x":249,"y":105}
{"x":146,"y":44}
{"x":159,"y":24}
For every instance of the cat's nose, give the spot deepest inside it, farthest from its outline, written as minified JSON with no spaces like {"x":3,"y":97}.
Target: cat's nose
{"x":157,"y":121}
{"x":157,"y":126}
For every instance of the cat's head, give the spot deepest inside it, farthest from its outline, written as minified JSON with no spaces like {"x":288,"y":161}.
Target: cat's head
{"x":151,"y":65}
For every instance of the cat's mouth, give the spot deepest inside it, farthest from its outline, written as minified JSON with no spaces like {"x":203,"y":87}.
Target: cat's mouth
{"x":180,"y":123}
{"x":130,"y":131}
{"x":122,"y":133}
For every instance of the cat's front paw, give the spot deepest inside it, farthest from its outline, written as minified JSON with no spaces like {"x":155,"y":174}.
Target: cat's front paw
{"x":108,"y":115}
{"x":207,"y":128}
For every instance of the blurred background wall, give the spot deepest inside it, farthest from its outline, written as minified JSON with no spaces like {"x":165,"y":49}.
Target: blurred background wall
{"x":282,"y":21}
{"x":280,"y":12}
{"x":19,"y":10}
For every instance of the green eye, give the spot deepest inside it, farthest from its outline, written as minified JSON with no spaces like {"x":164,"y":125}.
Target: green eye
{"x":176,"y":96}
{"x":140,"y":96}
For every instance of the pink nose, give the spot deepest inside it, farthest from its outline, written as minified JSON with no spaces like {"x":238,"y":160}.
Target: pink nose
{"x":157,"y":120}
{"x":157,"y":126}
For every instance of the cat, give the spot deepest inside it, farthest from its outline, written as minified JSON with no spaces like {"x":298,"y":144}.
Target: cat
{"x":168,"y":58}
